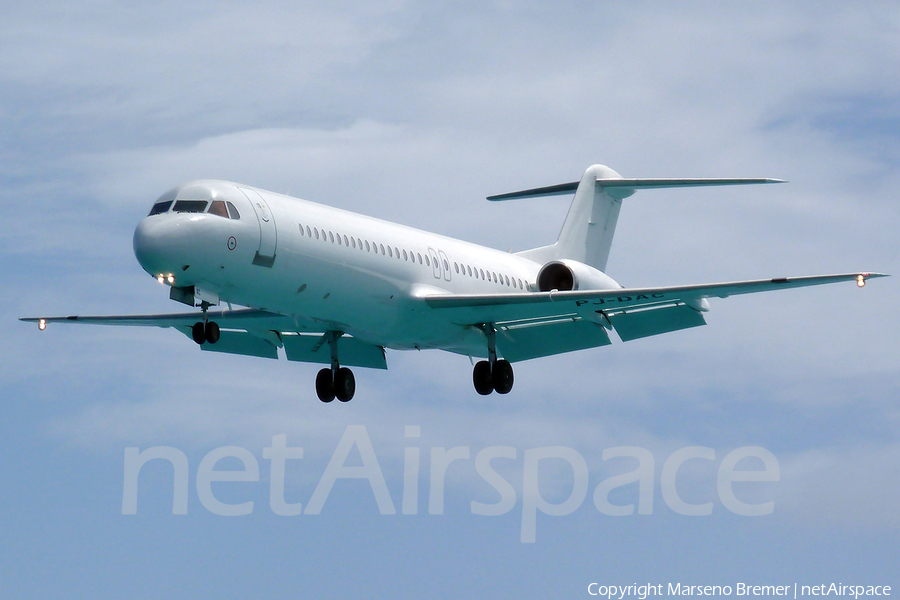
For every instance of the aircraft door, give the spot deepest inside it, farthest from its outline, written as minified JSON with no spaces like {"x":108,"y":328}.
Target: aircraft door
{"x":435,"y":263}
{"x":268,"y":236}
{"x":445,"y":263}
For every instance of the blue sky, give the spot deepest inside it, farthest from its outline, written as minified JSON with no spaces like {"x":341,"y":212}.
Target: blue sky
{"x":415,"y":113}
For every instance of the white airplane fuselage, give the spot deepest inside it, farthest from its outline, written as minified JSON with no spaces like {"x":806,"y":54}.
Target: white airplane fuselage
{"x":326,"y":267}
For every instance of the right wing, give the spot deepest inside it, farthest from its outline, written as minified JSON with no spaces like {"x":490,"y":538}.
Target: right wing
{"x":250,"y":332}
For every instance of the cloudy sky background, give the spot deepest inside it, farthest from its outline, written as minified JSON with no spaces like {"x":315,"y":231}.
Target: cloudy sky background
{"x":415,"y":113}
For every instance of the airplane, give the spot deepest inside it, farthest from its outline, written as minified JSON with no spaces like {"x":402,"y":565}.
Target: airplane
{"x":337,"y":288}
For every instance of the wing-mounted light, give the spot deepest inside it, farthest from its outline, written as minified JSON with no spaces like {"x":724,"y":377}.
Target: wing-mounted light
{"x":42,"y":324}
{"x":861,"y":280}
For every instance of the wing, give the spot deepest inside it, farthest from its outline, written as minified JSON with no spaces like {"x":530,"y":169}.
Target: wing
{"x":633,"y":312}
{"x":250,"y":332}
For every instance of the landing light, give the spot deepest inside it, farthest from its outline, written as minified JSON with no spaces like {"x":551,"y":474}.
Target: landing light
{"x":160,"y":278}
{"x":42,"y":324}
{"x":170,"y":278}
{"x":860,"y":280}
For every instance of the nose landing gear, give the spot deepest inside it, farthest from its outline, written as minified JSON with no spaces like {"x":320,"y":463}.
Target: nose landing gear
{"x":492,"y":375}
{"x":337,"y":381}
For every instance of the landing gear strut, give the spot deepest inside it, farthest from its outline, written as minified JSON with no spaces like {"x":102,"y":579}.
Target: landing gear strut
{"x":492,"y":375}
{"x":206,"y":330}
{"x":337,"y":381}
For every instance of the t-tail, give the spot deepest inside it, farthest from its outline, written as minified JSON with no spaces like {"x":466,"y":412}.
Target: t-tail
{"x":588,"y":230}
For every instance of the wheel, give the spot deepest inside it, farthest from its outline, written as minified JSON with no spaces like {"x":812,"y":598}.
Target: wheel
{"x":198,"y":332}
{"x":325,"y":385}
{"x":481,"y":377}
{"x":212,"y":332}
{"x":502,"y":376}
{"x":344,"y":384}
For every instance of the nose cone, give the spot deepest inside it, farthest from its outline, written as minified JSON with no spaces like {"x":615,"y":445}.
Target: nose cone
{"x":162,"y":244}
{"x":149,"y":245}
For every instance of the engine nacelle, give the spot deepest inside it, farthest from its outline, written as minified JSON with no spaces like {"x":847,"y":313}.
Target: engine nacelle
{"x":566,"y":275}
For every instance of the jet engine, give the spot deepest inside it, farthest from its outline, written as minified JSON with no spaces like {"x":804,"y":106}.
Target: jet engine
{"x":565,"y":275}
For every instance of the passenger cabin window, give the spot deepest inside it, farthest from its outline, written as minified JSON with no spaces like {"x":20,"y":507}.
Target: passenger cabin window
{"x":160,"y":207}
{"x":233,"y":211}
{"x":218,"y":208}
{"x":190,"y":206}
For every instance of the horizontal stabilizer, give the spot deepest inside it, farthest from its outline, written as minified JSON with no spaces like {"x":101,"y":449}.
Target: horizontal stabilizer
{"x":628,"y":186}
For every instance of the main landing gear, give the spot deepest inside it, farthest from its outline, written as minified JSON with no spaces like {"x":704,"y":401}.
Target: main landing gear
{"x":337,"y":381}
{"x":206,"y":330}
{"x":492,"y":375}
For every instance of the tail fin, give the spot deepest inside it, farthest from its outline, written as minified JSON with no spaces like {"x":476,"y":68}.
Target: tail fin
{"x":588,"y":230}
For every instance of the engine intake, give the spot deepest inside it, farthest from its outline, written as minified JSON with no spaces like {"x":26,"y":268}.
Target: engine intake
{"x":556,"y":276}
{"x":567,"y":275}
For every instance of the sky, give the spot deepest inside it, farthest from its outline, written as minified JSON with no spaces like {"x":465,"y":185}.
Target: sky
{"x":414,"y":112}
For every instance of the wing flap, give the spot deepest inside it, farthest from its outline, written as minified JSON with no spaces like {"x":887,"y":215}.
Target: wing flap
{"x":535,"y":340}
{"x":239,"y":342}
{"x":353,"y":352}
{"x":632,"y":325}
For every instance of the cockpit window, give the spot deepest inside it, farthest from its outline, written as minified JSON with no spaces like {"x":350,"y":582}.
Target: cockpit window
{"x":190,"y":206}
{"x":160,"y":207}
{"x":233,"y":211}
{"x":218,"y":208}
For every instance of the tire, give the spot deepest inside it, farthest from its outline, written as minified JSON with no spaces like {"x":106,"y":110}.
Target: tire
{"x":212,"y":332}
{"x":198,"y":332}
{"x":481,"y":377}
{"x":325,"y":385}
{"x":344,"y":384}
{"x":502,"y":376}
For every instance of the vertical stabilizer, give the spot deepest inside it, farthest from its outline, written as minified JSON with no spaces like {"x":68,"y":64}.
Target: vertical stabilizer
{"x":588,"y":230}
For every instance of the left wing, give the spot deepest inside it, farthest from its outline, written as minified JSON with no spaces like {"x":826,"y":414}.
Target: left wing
{"x":652,"y":305}
{"x":250,"y":332}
